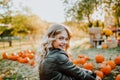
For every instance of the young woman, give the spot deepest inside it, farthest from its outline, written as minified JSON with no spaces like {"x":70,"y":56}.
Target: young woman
{"x":54,"y":63}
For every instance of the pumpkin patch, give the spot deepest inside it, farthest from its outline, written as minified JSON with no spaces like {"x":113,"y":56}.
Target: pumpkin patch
{"x":22,"y":56}
{"x":103,"y":61}
{"x":103,"y":67}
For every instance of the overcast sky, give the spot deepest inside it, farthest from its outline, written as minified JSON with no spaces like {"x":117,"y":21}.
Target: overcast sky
{"x":52,"y":10}
{"x":49,"y":10}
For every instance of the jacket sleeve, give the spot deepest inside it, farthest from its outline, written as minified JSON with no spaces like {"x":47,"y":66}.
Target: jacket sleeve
{"x":67,"y":67}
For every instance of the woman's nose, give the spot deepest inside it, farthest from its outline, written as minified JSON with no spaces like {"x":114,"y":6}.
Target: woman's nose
{"x":65,"y":42}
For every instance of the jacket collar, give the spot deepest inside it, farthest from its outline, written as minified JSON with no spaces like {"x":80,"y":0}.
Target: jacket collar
{"x":54,"y":50}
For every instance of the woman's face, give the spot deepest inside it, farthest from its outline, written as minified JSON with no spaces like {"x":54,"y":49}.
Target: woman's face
{"x":61,"y":40}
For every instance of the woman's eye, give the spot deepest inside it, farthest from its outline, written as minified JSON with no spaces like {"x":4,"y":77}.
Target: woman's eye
{"x":66,"y":39}
{"x":61,"y":38}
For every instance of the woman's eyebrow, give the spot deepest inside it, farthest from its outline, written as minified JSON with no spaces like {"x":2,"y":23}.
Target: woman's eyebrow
{"x":63,"y":37}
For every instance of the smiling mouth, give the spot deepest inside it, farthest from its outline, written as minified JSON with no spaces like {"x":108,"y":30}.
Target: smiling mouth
{"x":62,"y":46}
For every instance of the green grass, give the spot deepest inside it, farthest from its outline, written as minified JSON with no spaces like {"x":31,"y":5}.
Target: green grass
{"x":13,"y":70}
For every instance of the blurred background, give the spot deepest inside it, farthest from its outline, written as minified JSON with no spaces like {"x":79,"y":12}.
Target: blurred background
{"x":94,"y":24}
{"x":25,"y":21}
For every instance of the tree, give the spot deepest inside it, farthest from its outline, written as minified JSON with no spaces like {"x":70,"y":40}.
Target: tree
{"x":116,"y":12}
{"x":19,"y":22}
{"x":81,"y":9}
{"x":33,"y":24}
{"x":112,"y":8}
{"x":6,"y":11}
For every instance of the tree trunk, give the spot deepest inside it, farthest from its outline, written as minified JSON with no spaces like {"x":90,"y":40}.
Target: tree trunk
{"x":10,"y":43}
{"x":89,"y":22}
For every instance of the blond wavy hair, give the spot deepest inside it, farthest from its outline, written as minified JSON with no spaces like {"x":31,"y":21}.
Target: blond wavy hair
{"x":47,"y":40}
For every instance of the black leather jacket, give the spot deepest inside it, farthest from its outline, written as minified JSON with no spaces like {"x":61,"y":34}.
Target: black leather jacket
{"x":57,"y":66}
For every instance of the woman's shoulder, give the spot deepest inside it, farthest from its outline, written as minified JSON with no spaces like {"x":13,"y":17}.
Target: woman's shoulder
{"x":60,"y":55}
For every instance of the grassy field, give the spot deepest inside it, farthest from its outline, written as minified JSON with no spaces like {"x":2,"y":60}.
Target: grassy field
{"x":13,"y":69}
{"x":18,"y":46}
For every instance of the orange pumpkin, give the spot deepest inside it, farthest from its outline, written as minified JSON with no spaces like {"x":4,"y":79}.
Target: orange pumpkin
{"x":91,"y":46}
{"x":107,"y":32}
{"x":86,"y":57}
{"x":23,"y":60}
{"x":23,"y":55}
{"x":20,"y":59}
{"x":117,"y":77}
{"x":26,"y":60}
{"x":30,"y":56}
{"x":105,"y":68}
{"x":88,"y":66}
{"x":99,"y":58}
{"x":81,"y":60}
{"x":99,"y":73}
{"x":83,"y":56}
{"x":1,"y":78}
{"x":104,"y":46}
{"x":20,"y":53}
{"x":75,"y":61}
{"x":111,"y":63}
{"x":80,"y":56}
{"x":13,"y":57}
{"x":117,"y":60}
{"x":32,"y":63}
{"x":4,"y":55}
